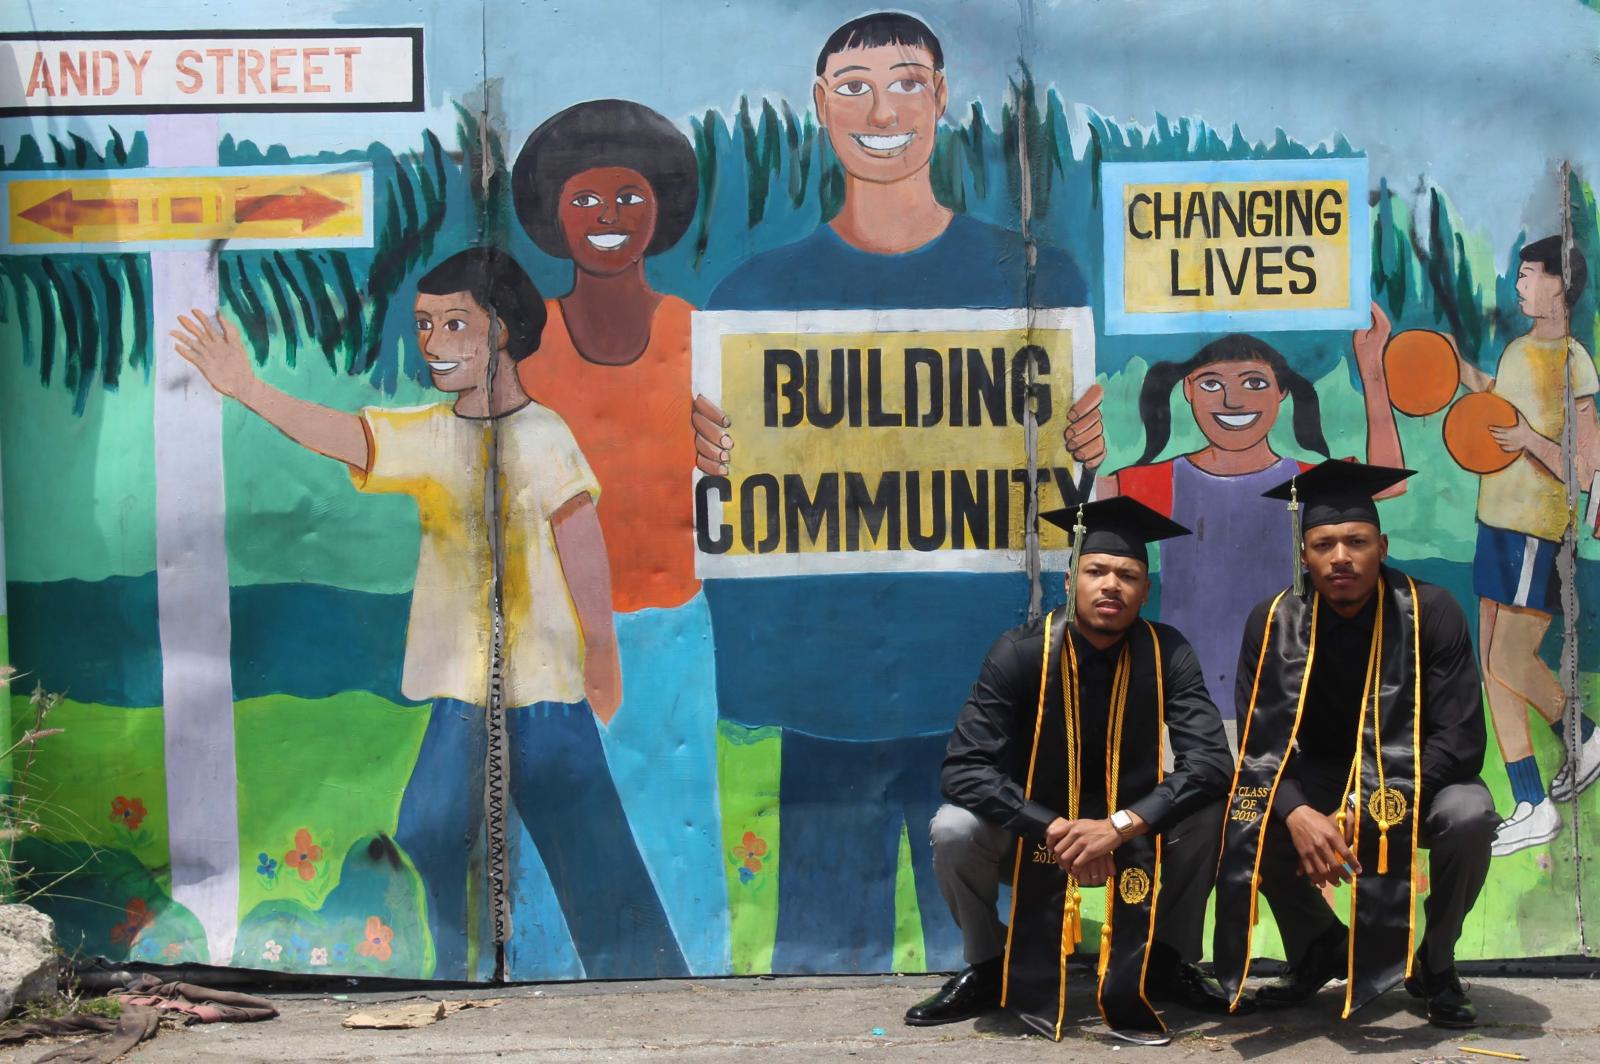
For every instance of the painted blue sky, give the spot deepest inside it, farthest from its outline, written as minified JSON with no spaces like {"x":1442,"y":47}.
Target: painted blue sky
{"x":1480,"y":97}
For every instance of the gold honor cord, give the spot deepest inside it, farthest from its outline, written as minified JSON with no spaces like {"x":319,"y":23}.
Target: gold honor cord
{"x":1371,"y":687}
{"x":1416,"y":773}
{"x":1277,"y":776}
{"x":1072,"y":914}
{"x":1161,"y":774}
{"x":1119,"y":705}
{"x":1027,"y":793}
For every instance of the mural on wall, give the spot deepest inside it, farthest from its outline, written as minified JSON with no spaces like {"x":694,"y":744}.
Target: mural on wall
{"x":486,"y":521}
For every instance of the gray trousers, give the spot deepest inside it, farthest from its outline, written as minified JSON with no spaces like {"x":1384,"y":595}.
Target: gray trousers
{"x":1458,"y":826}
{"x":970,"y":855}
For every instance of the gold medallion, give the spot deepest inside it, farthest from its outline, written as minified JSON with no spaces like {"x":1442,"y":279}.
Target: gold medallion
{"x":1133,"y":886}
{"x":1388,"y":807}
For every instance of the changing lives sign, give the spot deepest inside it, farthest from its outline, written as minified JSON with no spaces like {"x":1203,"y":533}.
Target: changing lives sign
{"x":1220,"y":246}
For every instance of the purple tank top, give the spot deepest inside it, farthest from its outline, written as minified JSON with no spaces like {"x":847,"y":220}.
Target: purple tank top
{"x":1239,"y":554}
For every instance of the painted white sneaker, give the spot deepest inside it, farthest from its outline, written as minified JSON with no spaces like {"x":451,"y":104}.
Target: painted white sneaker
{"x":1588,"y":770}
{"x":1528,"y":825}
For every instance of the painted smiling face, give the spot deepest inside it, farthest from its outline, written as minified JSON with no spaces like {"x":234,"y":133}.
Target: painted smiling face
{"x":608,"y":215}
{"x":1234,"y":403}
{"x":881,"y":107}
{"x":453,"y":334}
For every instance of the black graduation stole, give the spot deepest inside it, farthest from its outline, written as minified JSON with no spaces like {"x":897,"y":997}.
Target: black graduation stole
{"x":1046,"y":918}
{"x":1385,"y":786}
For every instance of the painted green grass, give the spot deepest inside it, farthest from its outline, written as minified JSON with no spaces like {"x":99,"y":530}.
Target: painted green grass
{"x":334,"y":768}
{"x":910,"y":955}
{"x":100,"y":781}
{"x":748,"y":762}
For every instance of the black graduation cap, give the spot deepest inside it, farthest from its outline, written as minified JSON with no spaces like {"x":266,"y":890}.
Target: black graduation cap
{"x":1331,"y":494}
{"x":1119,"y":525}
{"x":1336,"y":491}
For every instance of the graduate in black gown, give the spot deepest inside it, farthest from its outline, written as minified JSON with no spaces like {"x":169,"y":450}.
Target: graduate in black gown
{"x":1362,"y":736}
{"x":1054,"y":781}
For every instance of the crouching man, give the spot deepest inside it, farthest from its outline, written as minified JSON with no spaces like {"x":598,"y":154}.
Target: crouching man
{"x":1054,"y":779}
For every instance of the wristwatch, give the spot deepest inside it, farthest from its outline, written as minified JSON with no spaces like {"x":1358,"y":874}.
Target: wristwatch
{"x":1122,"y":820}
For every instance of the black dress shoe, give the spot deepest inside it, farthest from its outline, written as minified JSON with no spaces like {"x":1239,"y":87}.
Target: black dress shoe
{"x":1170,"y":979}
{"x":967,"y":994}
{"x":1448,"y":1004}
{"x":1326,"y":958}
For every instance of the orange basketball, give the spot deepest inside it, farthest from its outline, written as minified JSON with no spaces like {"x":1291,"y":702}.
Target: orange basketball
{"x":1467,"y":435}
{"x":1422,"y":372}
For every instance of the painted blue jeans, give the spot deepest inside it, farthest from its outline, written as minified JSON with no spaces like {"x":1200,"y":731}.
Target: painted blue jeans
{"x":561,"y":787}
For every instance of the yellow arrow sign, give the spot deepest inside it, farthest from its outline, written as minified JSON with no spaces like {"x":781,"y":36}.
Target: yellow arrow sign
{"x":246,"y":207}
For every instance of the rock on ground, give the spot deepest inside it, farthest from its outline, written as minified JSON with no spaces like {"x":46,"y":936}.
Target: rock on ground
{"x":28,"y":963}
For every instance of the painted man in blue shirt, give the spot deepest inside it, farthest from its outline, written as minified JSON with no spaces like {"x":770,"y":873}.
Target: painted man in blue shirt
{"x":863,"y":672}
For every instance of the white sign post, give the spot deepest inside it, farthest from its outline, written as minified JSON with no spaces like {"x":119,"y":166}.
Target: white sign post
{"x":181,"y":82}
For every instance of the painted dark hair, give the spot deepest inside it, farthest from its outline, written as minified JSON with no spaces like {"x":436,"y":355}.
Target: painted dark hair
{"x":1155,"y":397}
{"x":498,"y":284}
{"x":605,"y":133}
{"x":877,"y":30}
{"x":1547,"y":253}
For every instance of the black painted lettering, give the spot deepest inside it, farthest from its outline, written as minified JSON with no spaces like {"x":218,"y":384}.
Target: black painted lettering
{"x":879,"y":511}
{"x":986,"y":386}
{"x":773,"y":529}
{"x":933,"y":539}
{"x":825,"y":419}
{"x":924,"y":356}
{"x":791,"y":388}
{"x":1309,"y":284}
{"x":1267,"y":266}
{"x":709,"y":495}
{"x":969,"y":508}
{"x":815,"y":511}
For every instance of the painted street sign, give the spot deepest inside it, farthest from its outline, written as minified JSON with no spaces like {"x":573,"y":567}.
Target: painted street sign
{"x":131,"y":210}
{"x":222,"y":71}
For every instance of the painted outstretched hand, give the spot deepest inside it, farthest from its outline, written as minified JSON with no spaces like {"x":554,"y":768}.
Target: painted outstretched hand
{"x":712,"y":442}
{"x":215,"y":348}
{"x":1369,"y":344}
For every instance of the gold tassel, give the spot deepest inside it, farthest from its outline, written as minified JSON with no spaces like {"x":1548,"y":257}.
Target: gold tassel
{"x":1075,"y":915}
{"x":1294,"y":531}
{"x":1255,"y":896}
{"x":1383,"y":849}
{"x":1105,"y":949}
{"x":1075,"y":556}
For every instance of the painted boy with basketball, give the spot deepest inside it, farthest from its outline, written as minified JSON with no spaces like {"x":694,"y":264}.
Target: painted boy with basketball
{"x":1522,"y":515}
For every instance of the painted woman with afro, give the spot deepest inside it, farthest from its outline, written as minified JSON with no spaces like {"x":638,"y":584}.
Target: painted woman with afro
{"x":607,"y":184}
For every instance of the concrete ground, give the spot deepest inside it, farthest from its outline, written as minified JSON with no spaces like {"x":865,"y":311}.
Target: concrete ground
{"x":779,"y":1021}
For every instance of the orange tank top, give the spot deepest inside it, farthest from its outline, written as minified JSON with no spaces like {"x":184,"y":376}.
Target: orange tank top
{"x":632,"y":423}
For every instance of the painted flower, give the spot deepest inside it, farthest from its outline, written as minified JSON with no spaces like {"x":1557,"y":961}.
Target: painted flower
{"x":319,"y":956}
{"x":298,"y":947}
{"x":341,"y":952}
{"x":376,"y":942}
{"x":304,"y":856}
{"x":267,"y":868}
{"x":748,"y":853}
{"x":136,"y":917}
{"x":745,"y":875}
{"x":129,"y":812}
{"x":1543,"y":861}
{"x":273,"y":951}
{"x":172,"y":951}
